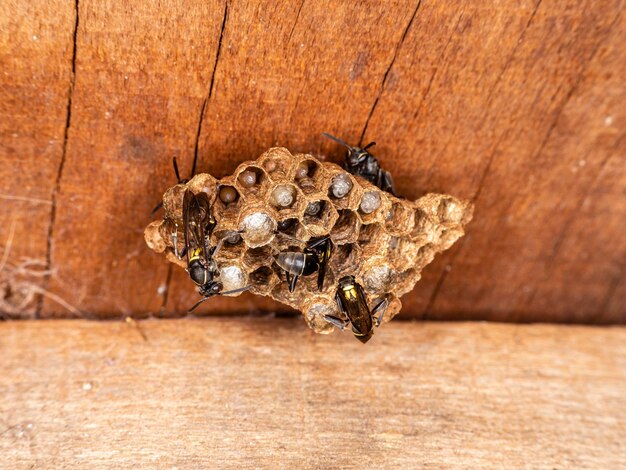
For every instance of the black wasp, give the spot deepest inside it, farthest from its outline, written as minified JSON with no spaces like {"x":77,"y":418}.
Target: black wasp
{"x":362,"y":163}
{"x":352,"y":303}
{"x":198,"y":225}
{"x":313,"y":258}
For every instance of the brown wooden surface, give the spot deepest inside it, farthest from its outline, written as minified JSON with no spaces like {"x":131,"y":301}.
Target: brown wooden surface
{"x":516,"y":105}
{"x":268,"y":393}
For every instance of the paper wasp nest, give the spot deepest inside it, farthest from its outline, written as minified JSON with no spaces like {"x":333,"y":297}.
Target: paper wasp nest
{"x":281,"y":198}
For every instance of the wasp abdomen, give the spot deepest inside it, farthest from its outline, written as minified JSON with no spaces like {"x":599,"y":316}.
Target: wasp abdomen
{"x":298,"y":264}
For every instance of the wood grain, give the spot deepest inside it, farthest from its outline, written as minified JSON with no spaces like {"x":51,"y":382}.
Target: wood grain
{"x":36,"y":41}
{"x":267,"y":393}
{"x":516,"y":105}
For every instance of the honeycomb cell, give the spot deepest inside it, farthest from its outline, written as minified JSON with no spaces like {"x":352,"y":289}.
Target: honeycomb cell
{"x":263,"y":280}
{"x":402,"y":253}
{"x":227,"y":201}
{"x":153,"y":236}
{"x":400,"y":219}
{"x":251,"y":180}
{"x":338,"y":182}
{"x":254,"y":258}
{"x":374,"y":207}
{"x":257,"y":228}
{"x":233,"y":277}
{"x":230,"y":252}
{"x":310,"y":177}
{"x":377,"y":275}
{"x":346,"y":260}
{"x":450,"y":211}
{"x":320,"y":221}
{"x":425,"y":229}
{"x":277,"y":163}
{"x":346,"y":229}
{"x":203,"y":183}
{"x":374,"y":240}
{"x":314,"y":310}
{"x":283,"y":196}
{"x":173,"y":202}
{"x":290,"y":230}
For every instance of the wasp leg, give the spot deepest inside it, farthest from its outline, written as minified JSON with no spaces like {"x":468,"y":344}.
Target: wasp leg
{"x":294,"y":281}
{"x":338,"y":322}
{"x":174,"y":236}
{"x":319,"y":242}
{"x":291,"y":281}
{"x":387,"y":182}
{"x":382,"y":305}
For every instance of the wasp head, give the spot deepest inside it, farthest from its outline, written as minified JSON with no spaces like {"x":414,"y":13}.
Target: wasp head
{"x":210,"y":289}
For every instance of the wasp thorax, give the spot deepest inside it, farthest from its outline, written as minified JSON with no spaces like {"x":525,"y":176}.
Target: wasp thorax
{"x":340,"y":185}
{"x":283,"y":196}
{"x":370,"y":202}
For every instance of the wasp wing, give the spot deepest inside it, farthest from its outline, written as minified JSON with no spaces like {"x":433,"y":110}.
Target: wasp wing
{"x":323,"y":262}
{"x":193,"y":225}
{"x":354,"y":304}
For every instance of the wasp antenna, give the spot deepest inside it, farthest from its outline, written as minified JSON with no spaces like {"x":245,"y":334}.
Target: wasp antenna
{"x":339,"y":141}
{"x":197,"y":304}
{"x":176,"y":169}
{"x":156,"y":208}
{"x":371,"y":144}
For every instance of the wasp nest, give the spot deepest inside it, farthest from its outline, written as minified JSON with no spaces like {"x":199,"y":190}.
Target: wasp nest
{"x":280,"y":201}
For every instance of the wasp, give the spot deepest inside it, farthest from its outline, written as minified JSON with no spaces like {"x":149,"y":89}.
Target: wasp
{"x":198,"y":225}
{"x":352,"y":303}
{"x":362,"y":163}
{"x":313,"y":258}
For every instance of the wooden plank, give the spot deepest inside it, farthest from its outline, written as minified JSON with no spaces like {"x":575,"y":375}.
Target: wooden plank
{"x":267,"y":393}
{"x":522,"y":120}
{"x":36,"y":44}
{"x":141,"y":76}
{"x":498,"y":103}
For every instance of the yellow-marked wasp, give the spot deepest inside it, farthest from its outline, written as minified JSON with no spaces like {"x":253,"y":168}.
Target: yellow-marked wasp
{"x":198,"y":224}
{"x":352,"y":303}
{"x":362,"y":163}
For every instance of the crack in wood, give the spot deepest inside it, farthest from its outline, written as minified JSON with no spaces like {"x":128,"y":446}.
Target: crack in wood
{"x":295,"y":22}
{"x":203,"y":108}
{"x":386,"y":76}
{"x":59,"y":175}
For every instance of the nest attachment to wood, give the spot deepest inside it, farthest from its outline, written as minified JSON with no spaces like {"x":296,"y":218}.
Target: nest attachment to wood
{"x":280,"y":201}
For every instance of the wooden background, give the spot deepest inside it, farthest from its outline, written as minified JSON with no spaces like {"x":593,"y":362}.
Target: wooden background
{"x":517,"y":105}
{"x":268,"y":394}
